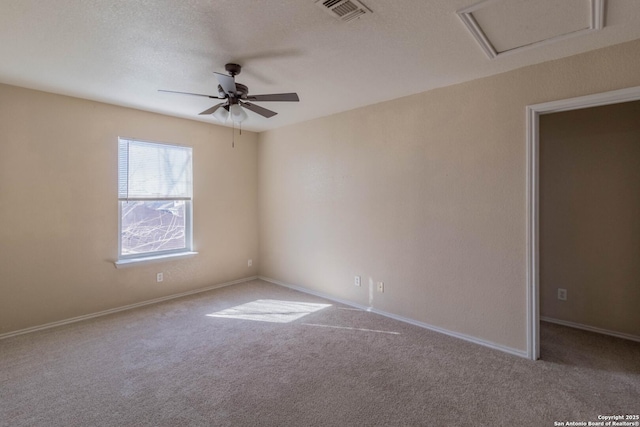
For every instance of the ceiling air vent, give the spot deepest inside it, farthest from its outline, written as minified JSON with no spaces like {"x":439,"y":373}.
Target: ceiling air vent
{"x":344,"y":10}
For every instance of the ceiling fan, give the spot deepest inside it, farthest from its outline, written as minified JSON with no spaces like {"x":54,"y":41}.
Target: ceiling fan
{"x":236,"y":98}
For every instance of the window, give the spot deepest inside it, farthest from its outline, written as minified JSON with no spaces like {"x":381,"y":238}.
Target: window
{"x":154,"y":197}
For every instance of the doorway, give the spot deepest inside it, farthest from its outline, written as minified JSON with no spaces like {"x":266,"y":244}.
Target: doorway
{"x":533,"y":195}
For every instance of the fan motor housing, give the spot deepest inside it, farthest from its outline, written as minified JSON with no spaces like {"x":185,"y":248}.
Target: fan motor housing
{"x":241,"y":91}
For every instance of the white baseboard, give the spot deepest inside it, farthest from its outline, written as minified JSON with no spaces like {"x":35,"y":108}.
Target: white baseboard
{"x":315,"y":293}
{"x":591,"y":328}
{"x":123,"y":308}
{"x":516,"y":352}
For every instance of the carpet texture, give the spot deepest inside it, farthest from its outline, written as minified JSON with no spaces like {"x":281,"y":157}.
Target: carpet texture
{"x":256,"y":354}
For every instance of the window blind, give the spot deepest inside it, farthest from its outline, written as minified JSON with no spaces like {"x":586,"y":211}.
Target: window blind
{"x":151,"y":171}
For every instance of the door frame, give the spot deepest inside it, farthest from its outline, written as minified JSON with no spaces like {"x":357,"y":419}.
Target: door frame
{"x":533,"y":209}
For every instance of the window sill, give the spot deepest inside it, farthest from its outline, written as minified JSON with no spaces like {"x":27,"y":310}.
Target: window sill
{"x":130,"y":262}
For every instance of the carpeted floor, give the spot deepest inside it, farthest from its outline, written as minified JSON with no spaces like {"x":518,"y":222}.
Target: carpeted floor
{"x":270,"y":356}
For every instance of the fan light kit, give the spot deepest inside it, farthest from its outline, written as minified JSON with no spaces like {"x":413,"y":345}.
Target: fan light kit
{"x":236,"y":96}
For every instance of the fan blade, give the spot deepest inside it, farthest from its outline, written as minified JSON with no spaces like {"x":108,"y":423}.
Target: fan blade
{"x":227,"y":83}
{"x":211,"y":110}
{"x":258,"y":110}
{"x":284,"y":97}
{"x":189,"y":93}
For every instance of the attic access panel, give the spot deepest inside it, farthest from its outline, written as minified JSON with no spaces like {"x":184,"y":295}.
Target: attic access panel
{"x":506,"y":26}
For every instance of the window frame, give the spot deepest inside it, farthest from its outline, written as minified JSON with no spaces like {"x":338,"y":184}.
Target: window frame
{"x":124,"y":259}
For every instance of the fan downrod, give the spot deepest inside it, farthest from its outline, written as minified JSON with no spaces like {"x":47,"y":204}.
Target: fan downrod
{"x":233,"y":69}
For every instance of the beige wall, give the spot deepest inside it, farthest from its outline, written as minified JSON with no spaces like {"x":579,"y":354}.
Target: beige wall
{"x":58,"y":207}
{"x":426,"y":193}
{"x":590,"y":216}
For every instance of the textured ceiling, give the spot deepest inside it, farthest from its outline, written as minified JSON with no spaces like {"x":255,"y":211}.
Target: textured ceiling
{"x":121,"y":52}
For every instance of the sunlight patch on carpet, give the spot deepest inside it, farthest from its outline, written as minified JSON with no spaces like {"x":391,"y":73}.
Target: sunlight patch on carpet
{"x":268,"y":310}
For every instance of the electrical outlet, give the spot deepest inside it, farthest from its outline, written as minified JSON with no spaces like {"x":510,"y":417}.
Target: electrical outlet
{"x":159,"y":277}
{"x":562,"y":294}
{"x":380,"y":286}
{"x":250,"y":263}
{"x":357,"y":281}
